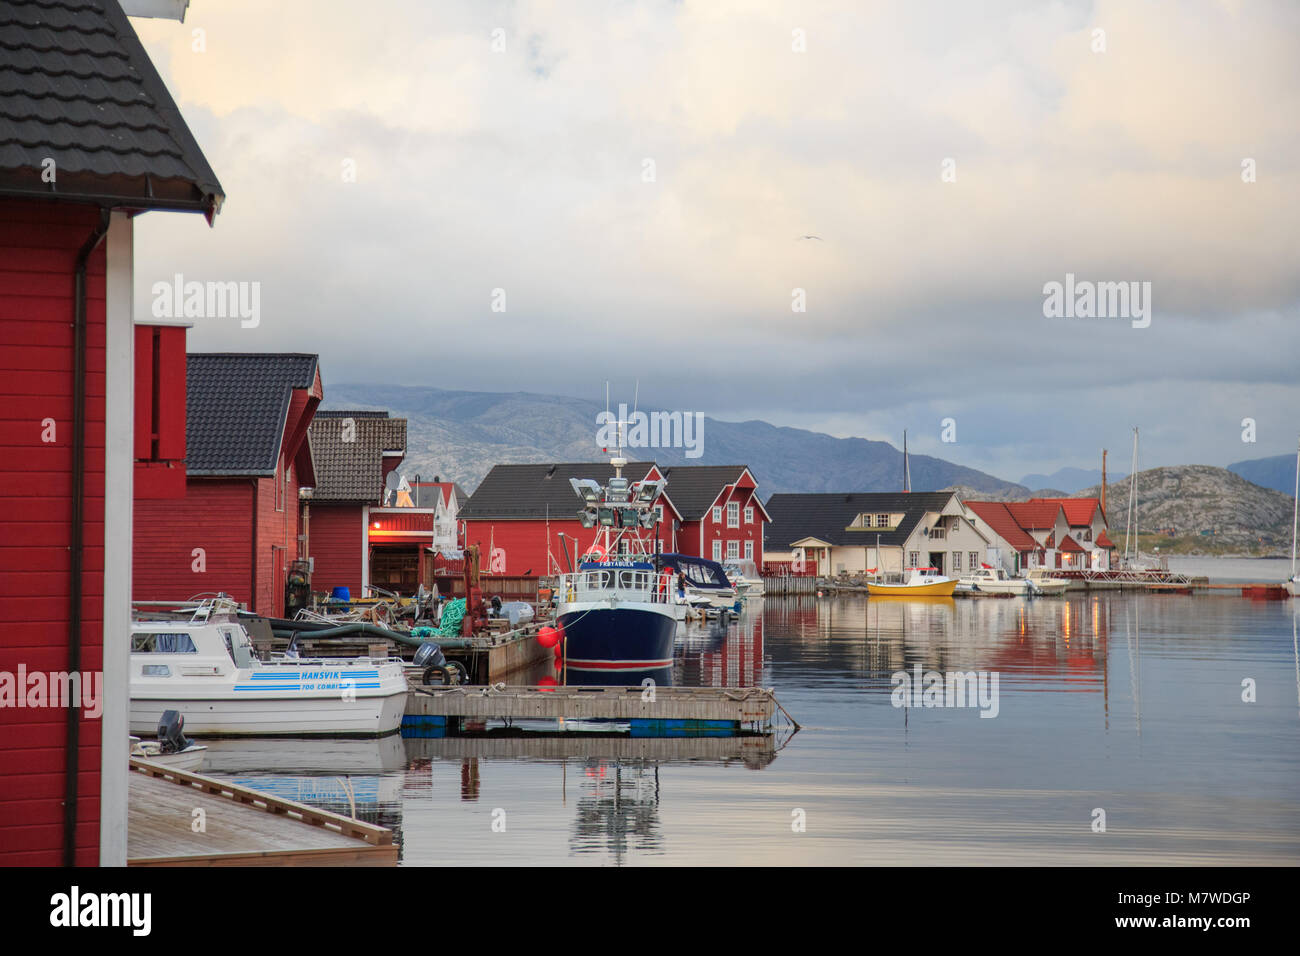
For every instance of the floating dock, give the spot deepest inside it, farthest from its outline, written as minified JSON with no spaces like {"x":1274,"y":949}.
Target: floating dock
{"x":240,"y":827}
{"x":669,"y":709}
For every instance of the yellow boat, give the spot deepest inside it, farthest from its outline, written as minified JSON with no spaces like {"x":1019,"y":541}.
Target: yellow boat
{"x":916,"y":582}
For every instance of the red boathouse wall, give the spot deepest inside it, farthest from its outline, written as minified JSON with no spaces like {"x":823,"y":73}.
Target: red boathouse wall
{"x":39,"y":243}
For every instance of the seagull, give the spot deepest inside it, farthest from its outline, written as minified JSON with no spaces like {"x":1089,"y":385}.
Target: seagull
{"x":818,"y":238}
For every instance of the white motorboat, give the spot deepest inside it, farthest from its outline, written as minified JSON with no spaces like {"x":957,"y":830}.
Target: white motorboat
{"x":191,"y":758}
{"x":204,"y":667}
{"x":171,"y":748}
{"x":995,"y":581}
{"x":1044,"y":584}
{"x":745,"y":578}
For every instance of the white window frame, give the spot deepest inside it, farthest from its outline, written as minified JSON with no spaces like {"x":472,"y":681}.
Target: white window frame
{"x":717,"y":549}
{"x":717,"y":514}
{"x":956,"y":560}
{"x":733,"y":514}
{"x":974,"y":559}
{"x":749,"y":515}
{"x":733,"y":550}
{"x":749,"y":550}
{"x":915,"y":559}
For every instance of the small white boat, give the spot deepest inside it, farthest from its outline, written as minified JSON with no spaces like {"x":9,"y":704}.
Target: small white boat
{"x":172,"y":748}
{"x":191,"y":758}
{"x":745,"y":578}
{"x":995,"y":581}
{"x":204,"y":667}
{"x":1043,"y":583}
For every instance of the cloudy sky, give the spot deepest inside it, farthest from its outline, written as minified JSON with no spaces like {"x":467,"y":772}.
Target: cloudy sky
{"x":634,"y":176}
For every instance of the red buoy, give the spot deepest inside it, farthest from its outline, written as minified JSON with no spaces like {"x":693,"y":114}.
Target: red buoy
{"x":548,"y":637}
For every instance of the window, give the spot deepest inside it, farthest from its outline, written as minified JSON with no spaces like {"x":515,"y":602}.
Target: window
{"x":913,"y":559}
{"x":956,"y":560}
{"x":659,"y":514}
{"x":749,"y":516}
{"x":749,"y":551}
{"x":974,"y":560}
{"x":717,"y":550}
{"x":733,"y":514}
{"x":169,"y":643}
{"x":717,"y":514}
{"x":882,"y":521}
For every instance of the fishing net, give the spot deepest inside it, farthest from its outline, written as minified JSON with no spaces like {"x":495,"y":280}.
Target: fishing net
{"x":452,"y":615}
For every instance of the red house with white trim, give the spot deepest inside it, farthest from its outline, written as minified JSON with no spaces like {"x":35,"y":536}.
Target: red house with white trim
{"x":89,"y":138}
{"x":722,"y":518}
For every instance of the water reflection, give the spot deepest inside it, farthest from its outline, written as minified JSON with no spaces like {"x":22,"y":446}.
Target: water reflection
{"x":1128,"y":702}
{"x":617,"y":810}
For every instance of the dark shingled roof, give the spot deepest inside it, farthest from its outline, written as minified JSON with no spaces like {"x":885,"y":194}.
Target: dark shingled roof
{"x":827,"y":516}
{"x":236,"y":406}
{"x":525,"y":491}
{"x":76,"y":86}
{"x":353,"y":470}
{"x":693,"y":488}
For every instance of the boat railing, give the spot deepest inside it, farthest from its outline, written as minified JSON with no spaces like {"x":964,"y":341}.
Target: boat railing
{"x":197,"y":610}
{"x":628,"y":584}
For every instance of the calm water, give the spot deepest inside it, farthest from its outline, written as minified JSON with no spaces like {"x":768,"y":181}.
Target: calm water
{"x":1128,"y":703}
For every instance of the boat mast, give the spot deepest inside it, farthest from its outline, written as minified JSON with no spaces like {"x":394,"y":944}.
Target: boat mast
{"x":1295,"y":509}
{"x":907,"y":471}
{"x":1130,"y":522}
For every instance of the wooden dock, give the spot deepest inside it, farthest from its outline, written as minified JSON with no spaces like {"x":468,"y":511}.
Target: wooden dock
{"x":739,"y":707}
{"x":240,"y":827}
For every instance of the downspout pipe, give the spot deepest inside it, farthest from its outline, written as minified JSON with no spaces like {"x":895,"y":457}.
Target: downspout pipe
{"x":78,"y":542}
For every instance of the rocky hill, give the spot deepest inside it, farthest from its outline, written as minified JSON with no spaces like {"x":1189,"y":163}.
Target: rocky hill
{"x":1214,"y":504}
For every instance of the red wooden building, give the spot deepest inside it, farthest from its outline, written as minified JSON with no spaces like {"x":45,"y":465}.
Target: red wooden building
{"x":354,"y":452}
{"x":721,"y":516}
{"x":519,"y":512}
{"x":89,"y":138}
{"x":246,"y":451}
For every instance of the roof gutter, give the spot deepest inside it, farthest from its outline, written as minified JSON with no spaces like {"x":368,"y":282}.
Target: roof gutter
{"x":78,"y":543}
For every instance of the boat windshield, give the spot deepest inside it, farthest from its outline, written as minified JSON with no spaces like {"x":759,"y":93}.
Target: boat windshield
{"x":698,"y":572}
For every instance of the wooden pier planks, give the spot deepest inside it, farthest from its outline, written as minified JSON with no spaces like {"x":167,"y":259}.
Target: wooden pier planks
{"x":752,"y":705}
{"x":241,"y":827}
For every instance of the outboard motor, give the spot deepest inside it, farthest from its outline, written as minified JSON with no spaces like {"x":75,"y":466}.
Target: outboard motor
{"x":436,"y":666}
{"x":171,"y":736}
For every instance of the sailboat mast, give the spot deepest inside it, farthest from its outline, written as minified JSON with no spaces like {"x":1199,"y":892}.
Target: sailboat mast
{"x":1132,"y":485}
{"x":1295,"y":509}
{"x":907,"y":470}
